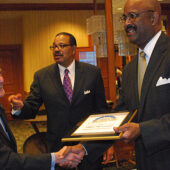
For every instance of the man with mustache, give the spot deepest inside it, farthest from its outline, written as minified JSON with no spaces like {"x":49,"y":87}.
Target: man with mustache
{"x":151,"y":130}
{"x":65,"y":110}
{"x":10,"y":159}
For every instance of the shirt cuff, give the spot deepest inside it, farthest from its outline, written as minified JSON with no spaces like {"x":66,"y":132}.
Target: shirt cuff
{"x":16,"y":112}
{"x":86,"y":153}
{"x":53,"y":161}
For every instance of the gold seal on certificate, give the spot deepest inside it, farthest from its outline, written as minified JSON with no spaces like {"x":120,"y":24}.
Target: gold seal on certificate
{"x":100,"y":127}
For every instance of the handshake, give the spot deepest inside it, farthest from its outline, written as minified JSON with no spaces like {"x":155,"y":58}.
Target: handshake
{"x":70,"y":156}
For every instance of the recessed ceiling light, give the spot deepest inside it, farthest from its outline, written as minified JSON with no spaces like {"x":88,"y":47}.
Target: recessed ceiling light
{"x":119,"y":9}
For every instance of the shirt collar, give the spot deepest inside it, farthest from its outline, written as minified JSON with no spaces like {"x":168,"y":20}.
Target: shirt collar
{"x":150,"y":45}
{"x":71,"y":67}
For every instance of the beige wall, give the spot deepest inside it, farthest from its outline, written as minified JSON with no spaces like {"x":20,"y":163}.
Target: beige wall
{"x":36,"y":31}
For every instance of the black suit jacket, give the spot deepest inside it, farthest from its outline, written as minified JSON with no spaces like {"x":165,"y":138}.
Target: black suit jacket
{"x":88,"y":97}
{"x":11,"y":160}
{"x":153,"y":146}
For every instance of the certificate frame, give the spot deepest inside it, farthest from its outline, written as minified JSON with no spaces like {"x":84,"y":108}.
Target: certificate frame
{"x":84,"y":133}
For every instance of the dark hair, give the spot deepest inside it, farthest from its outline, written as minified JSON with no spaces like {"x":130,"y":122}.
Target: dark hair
{"x":72,"y":38}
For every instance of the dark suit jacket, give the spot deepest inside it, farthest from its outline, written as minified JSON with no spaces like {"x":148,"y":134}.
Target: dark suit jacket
{"x":153,"y":146}
{"x":88,"y":97}
{"x":11,"y":160}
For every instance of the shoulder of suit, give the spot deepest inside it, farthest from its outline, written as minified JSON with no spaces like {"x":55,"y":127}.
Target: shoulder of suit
{"x":131,"y":65}
{"x":87,"y":66}
{"x":164,"y":39}
{"x":1,"y":108}
{"x":47,"y":68}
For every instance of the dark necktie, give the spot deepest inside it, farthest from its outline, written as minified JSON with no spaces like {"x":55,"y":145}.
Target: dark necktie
{"x":141,"y":70}
{"x":67,"y":85}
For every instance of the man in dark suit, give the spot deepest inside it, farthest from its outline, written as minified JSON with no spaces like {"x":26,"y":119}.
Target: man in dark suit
{"x":64,"y":110}
{"x":151,"y":131}
{"x":11,"y":160}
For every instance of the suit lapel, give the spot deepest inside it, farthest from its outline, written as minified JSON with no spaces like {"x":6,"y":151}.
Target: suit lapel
{"x":135,"y":79}
{"x":12,"y":140}
{"x":78,"y":80}
{"x":55,"y":77}
{"x":154,"y":63}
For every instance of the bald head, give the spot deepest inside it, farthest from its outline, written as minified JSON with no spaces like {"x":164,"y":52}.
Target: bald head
{"x":143,"y":20}
{"x":145,"y":5}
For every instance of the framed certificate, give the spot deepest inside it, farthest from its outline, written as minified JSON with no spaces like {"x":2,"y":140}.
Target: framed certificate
{"x":100,"y":127}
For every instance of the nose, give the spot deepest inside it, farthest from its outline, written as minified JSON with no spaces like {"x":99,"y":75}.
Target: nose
{"x":127,"y":21}
{"x":57,"y":47}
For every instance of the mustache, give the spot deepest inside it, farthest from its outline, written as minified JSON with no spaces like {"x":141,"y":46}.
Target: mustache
{"x":130,"y":27}
{"x":57,"y":53}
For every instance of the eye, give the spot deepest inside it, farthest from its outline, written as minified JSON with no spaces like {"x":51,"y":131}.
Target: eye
{"x":62,"y":45}
{"x":132,"y":15}
{"x":123,"y":18}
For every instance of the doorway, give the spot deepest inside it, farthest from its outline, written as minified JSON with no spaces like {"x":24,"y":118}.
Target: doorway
{"x":11,"y":64}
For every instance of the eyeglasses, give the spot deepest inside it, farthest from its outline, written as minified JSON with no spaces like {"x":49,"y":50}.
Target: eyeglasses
{"x":60,"y":46}
{"x":132,"y":16}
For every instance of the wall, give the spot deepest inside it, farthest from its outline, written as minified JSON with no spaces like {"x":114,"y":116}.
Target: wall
{"x":35,"y":30}
{"x":10,"y":31}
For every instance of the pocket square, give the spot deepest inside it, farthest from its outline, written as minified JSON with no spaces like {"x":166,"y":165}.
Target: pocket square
{"x":86,"y":92}
{"x":162,"y":81}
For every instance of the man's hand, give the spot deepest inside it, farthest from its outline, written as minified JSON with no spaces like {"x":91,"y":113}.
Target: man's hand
{"x":70,"y":156}
{"x":78,"y":149}
{"x":130,"y":131}
{"x":108,"y":155}
{"x":16,"y":101}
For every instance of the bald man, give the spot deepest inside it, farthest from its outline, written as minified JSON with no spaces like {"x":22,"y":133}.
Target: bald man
{"x":151,"y":129}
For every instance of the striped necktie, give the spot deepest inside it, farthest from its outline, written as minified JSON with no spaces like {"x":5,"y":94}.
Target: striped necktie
{"x":67,"y":85}
{"x":141,"y":70}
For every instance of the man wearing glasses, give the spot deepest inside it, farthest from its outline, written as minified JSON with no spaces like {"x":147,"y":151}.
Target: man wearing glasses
{"x":70,"y":91}
{"x":146,"y":86}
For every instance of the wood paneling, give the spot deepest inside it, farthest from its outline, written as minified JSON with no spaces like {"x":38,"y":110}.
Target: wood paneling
{"x":11,"y":64}
{"x":166,"y":11}
{"x":11,"y":31}
{"x":49,"y":6}
{"x":110,"y":51}
{"x":103,"y":65}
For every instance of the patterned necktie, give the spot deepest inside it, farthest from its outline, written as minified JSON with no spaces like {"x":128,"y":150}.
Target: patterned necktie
{"x":67,"y":85}
{"x":141,"y":70}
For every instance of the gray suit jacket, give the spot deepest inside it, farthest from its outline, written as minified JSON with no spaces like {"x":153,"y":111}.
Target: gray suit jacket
{"x":153,"y":146}
{"x":11,"y":160}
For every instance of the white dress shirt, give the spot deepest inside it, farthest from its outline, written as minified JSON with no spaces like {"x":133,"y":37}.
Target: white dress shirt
{"x":71,"y":73}
{"x":150,"y":47}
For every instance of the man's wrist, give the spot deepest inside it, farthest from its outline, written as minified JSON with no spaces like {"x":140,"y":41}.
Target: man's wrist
{"x":16,"y":112}
{"x":53,"y":161}
{"x":86,"y":153}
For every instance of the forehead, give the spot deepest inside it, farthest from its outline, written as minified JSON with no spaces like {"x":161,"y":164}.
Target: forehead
{"x":62,"y":39}
{"x":136,"y":6}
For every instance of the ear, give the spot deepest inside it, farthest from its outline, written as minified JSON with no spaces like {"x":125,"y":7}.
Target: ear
{"x":155,"y":18}
{"x":74,"y":49}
